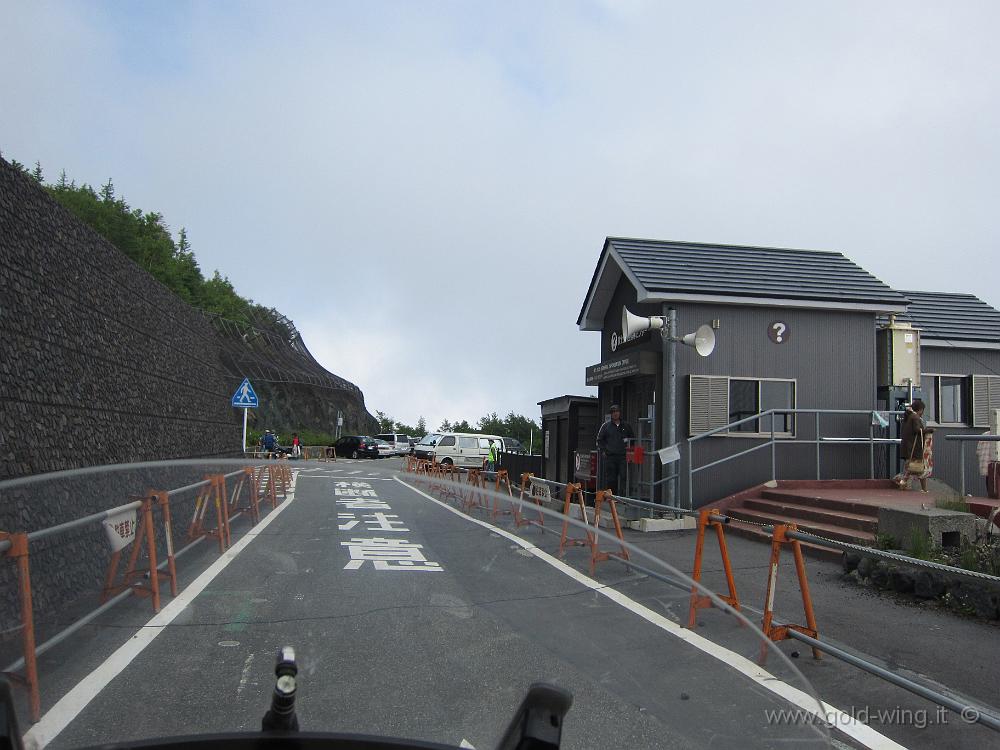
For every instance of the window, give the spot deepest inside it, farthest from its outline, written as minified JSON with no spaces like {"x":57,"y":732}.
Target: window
{"x":447,"y":441}
{"x":946,"y":397}
{"x":716,"y":401}
{"x":468,"y":442}
{"x":484,"y":442}
{"x":985,"y":398}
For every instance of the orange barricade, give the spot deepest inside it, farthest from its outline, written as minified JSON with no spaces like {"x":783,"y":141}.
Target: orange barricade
{"x":251,"y":506}
{"x":502,"y":478}
{"x":19,"y":553}
{"x":526,"y":490}
{"x":145,"y":537}
{"x":699,"y":600}
{"x":780,"y":632}
{"x":473,"y":496}
{"x":214,"y":493}
{"x":596,"y":556}
{"x":574,"y":492}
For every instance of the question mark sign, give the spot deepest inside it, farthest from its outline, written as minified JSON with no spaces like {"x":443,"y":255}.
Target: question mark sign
{"x":779,"y":330}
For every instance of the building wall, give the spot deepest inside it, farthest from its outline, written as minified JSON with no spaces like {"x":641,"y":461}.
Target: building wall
{"x":947,"y":454}
{"x":830,"y":355}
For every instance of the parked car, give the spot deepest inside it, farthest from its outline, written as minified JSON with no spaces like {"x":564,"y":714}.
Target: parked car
{"x":384,"y":449}
{"x":400,"y":443}
{"x":513,"y":445}
{"x":425,"y":446}
{"x":356,"y":446}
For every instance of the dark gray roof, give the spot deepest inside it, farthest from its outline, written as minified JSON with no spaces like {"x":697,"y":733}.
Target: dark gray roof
{"x":956,"y":317}
{"x":690,"y":270}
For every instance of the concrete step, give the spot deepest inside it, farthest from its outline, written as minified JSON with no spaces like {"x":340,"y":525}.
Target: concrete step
{"x":749,"y":531}
{"x":803,"y":512}
{"x":802,"y":497}
{"x":830,"y":531}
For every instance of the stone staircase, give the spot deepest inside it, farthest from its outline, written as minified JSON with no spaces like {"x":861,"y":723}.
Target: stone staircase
{"x":845,"y":511}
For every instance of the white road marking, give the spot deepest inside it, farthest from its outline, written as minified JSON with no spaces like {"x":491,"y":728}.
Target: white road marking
{"x":338,"y":478}
{"x":70,"y":705}
{"x":245,"y":674}
{"x":843,"y":721}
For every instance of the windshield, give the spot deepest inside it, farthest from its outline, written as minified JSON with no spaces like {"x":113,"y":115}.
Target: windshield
{"x":429,"y":440}
{"x":418,"y":605}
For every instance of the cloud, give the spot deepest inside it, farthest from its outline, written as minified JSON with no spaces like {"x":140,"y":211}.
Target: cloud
{"x":425,"y":189}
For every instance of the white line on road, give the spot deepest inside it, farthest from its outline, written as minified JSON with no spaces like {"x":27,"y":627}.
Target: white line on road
{"x":844,"y":722}
{"x":70,"y":705}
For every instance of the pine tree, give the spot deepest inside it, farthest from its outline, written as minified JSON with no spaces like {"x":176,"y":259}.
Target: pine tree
{"x":37,"y":172}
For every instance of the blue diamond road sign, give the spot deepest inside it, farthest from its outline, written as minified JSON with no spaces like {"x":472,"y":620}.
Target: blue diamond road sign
{"x":245,"y":396}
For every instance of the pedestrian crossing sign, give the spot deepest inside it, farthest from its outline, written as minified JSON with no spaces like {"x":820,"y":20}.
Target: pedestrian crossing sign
{"x":245,"y":396}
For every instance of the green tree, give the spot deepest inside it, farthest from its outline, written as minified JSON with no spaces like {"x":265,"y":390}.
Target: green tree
{"x":421,"y":428}
{"x":37,"y":172}
{"x":445,"y":426}
{"x":385,"y":422}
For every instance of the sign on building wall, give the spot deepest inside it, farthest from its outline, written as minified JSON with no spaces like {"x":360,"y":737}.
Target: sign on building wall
{"x":625,"y":366}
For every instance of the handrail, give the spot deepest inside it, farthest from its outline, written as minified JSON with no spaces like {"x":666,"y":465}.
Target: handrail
{"x":962,"y":440}
{"x":775,"y":438}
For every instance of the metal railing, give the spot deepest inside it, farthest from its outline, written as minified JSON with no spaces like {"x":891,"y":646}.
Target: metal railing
{"x":962,"y":440}
{"x":775,"y":437}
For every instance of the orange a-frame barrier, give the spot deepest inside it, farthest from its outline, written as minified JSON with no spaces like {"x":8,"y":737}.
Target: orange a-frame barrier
{"x":574,"y":493}
{"x":19,"y":553}
{"x":708,"y":518}
{"x":145,"y":538}
{"x":214,"y":493}
{"x":596,"y":556}
{"x":780,"y":632}
{"x":502,"y":479}
{"x":519,"y":519}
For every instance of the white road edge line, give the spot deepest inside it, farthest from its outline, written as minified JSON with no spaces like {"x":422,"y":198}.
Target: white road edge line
{"x":70,"y":705}
{"x":844,"y":722}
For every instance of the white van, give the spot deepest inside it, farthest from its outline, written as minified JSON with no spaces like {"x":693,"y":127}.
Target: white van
{"x":464,"y":448}
{"x":400,"y":443}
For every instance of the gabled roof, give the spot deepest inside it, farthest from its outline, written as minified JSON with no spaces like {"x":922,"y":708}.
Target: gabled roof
{"x":952,"y":317}
{"x":732,"y":274}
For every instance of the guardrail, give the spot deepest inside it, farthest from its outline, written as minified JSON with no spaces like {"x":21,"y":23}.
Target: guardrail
{"x":261,"y":482}
{"x":774,"y":629}
{"x":776,"y":439}
{"x":962,"y":440}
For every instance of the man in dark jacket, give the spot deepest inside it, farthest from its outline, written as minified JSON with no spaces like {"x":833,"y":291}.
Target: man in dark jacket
{"x":611,"y":441}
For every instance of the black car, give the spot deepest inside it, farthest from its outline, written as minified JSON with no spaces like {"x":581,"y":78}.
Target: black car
{"x":356,"y":446}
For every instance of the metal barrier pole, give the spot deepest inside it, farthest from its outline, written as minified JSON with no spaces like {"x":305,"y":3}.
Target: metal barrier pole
{"x":871,"y":451}
{"x":817,"y":446}
{"x":774,"y":451}
{"x":961,"y":464}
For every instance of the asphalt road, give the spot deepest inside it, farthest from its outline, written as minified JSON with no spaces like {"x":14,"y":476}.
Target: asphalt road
{"x":438,"y":641}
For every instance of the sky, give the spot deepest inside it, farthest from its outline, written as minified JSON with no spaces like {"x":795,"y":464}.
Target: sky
{"x":424,"y":188}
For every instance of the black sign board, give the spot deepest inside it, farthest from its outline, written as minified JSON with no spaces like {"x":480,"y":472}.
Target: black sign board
{"x":625,"y":366}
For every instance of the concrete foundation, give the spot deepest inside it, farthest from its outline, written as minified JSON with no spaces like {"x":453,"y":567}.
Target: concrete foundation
{"x":946,"y":528}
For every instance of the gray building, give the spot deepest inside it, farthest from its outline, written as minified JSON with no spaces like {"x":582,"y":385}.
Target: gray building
{"x":959,"y":375}
{"x":795,"y":329}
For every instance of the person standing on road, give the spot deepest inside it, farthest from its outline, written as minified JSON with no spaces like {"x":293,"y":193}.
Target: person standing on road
{"x":270,"y":443}
{"x":612,"y":439}
{"x":492,"y":457}
{"x":296,"y":445}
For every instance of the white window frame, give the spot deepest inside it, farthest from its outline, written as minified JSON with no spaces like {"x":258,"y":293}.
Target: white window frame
{"x":711,"y":384}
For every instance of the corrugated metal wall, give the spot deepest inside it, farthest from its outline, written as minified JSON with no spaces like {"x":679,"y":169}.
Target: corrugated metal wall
{"x":959,"y":361}
{"x":830,"y":355}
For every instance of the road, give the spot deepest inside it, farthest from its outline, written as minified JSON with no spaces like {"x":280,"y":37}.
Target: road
{"x":409,"y":619}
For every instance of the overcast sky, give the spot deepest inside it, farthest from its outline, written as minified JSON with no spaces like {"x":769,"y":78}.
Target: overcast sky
{"x":425,"y":188}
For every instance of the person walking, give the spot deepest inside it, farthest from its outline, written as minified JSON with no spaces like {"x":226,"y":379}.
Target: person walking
{"x":612,"y":440}
{"x":270,"y":443}
{"x":296,"y":446}
{"x":915,"y":448}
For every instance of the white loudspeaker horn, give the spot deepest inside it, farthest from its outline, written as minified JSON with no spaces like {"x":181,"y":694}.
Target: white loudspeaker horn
{"x":633,"y":324}
{"x":703,"y":340}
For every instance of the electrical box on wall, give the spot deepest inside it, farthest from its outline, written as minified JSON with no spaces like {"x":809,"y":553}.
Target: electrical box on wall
{"x":898,"y":351}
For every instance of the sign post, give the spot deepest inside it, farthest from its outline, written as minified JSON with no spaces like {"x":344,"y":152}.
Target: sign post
{"x":245,"y":398}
